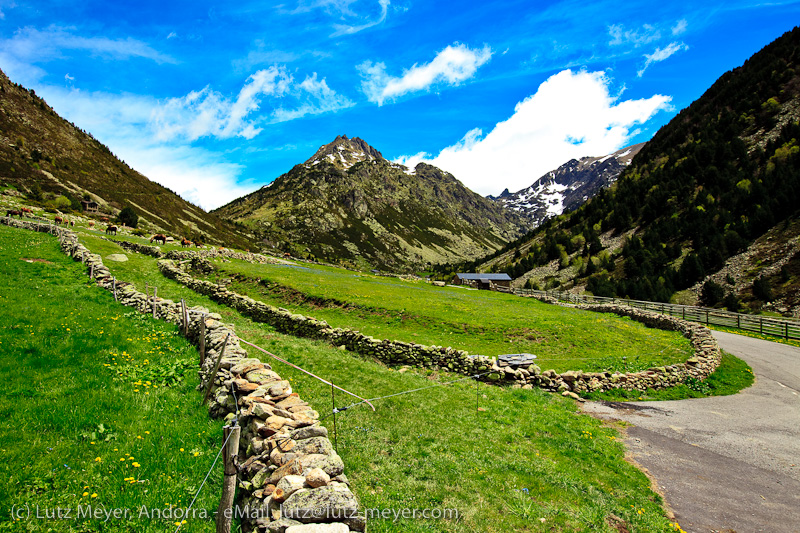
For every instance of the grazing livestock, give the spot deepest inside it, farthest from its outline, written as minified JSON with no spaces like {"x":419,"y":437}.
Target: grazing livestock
{"x":186,"y":242}
{"x":13,"y":212}
{"x":91,"y":223}
{"x":58,"y":220}
{"x":159,"y":237}
{"x":72,"y":223}
{"x":26,"y":212}
{"x":198,"y":244}
{"x":104,"y":219}
{"x":111,"y":230}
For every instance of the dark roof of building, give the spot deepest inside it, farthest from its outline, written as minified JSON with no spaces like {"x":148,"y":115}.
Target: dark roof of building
{"x":492,"y":277}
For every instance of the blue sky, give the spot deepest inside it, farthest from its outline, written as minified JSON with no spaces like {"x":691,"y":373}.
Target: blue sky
{"x":217,"y":99}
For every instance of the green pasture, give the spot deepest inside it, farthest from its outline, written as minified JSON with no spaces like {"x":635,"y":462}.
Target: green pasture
{"x":98,"y":407}
{"x":527,"y":461}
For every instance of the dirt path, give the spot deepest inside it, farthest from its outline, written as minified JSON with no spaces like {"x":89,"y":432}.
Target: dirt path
{"x":729,"y":463}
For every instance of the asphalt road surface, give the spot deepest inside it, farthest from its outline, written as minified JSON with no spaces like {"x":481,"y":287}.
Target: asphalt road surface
{"x":726,"y":463}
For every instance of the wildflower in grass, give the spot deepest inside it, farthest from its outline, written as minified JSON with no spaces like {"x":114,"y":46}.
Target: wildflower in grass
{"x":98,"y":459}
{"x":85,"y":494}
{"x":136,"y":465}
{"x":94,"y":495}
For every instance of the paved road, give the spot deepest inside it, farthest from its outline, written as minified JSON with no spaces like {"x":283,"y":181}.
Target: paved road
{"x":728,"y":463}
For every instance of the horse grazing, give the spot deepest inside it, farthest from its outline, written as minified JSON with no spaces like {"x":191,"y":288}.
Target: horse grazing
{"x":91,"y":223}
{"x":65,"y":221}
{"x":58,"y":220}
{"x":26,"y":212}
{"x":72,"y":223}
{"x":13,"y":212}
{"x":111,"y":230}
{"x":186,"y":242}
{"x":159,"y":237}
{"x":198,"y":244}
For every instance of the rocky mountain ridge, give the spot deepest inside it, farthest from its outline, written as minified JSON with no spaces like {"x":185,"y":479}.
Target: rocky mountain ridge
{"x":347,"y":203}
{"x":570,"y":185}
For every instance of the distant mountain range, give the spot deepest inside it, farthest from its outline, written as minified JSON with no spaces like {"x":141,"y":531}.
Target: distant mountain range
{"x":348,"y":203}
{"x":567,"y":187}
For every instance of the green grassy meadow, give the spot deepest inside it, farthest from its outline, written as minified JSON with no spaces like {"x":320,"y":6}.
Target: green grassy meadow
{"x":527,"y":461}
{"x":481,"y":322}
{"x":98,"y":406}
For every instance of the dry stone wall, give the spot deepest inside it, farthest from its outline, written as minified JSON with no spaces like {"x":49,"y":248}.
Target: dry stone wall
{"x":705,"y":360}
{"x":291,"y":478}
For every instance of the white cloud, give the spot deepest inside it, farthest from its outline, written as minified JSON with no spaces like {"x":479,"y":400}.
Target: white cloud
{"x":636,"y":37}
{"x":572,"y":115}
{"x":331,"y":6}
{"x":209,"y":113}
{"x":316,"y":97}
{"x":122,"y":122}
{"x":661,"y":54}
{"x":172,"y":35}
{"x":346,"y":29}
{"x":451,"y":66}
{"x":68,"y":78}
{"x":680,"y":27}
{"x":34,"y":46}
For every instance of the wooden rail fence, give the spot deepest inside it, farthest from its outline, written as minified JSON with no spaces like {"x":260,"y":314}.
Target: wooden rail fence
{"x":780,"y":327}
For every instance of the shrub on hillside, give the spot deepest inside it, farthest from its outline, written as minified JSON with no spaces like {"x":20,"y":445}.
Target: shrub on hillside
{"x":128,"y":217}
{"x":762,"y":289}
{"x":712,"y":293}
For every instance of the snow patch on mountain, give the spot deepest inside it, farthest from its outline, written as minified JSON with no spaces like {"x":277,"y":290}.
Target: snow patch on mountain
{"x":567,"y":187}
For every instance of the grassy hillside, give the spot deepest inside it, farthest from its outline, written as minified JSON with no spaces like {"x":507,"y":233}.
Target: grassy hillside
{"x":528,"y":461}
{"x":98,"y":405}
{"x":481,"y":322}
{"x":720,"y":174}
{"x":43,"y":156}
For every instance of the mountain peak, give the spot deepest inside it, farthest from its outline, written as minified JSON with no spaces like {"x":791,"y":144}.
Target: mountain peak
{"x":343,"y":153}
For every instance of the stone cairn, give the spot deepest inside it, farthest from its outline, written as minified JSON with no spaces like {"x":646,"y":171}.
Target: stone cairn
{"x":291,"y":478}
{"x":705,"y":360}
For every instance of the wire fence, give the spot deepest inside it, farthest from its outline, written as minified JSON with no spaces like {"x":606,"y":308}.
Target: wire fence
{"x":779,"y":327}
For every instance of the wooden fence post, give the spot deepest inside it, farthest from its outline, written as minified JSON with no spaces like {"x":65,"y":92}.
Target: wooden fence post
{"x":91,"y":271}
{"x":216,"y":369}
{"x":155,"y":290}
{"x":114,"y":285}
{"x":183,"y":318}
{"x":202,"y":339}
{"x":231,"y":453}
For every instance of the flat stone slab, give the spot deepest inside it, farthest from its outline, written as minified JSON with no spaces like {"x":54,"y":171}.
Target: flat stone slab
{"x":516,"y":359}
{"x":120,"y":258}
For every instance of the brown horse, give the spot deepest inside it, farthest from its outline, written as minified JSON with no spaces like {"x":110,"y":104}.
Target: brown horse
{"x":186,"y":242}
{"x":91,"y":223}
{"x":58,"y":220}
{"x":26,"y":212}
{"x":13,"y":212}
{"x":198,"y":244}
{"x":72,"y":223}
{"x":159,"y":237}
{"x":65,"y":221}
{"x":111,"y":230}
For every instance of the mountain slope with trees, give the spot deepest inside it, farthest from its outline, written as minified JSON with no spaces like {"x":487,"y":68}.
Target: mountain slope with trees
{"x":716,"y":177}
